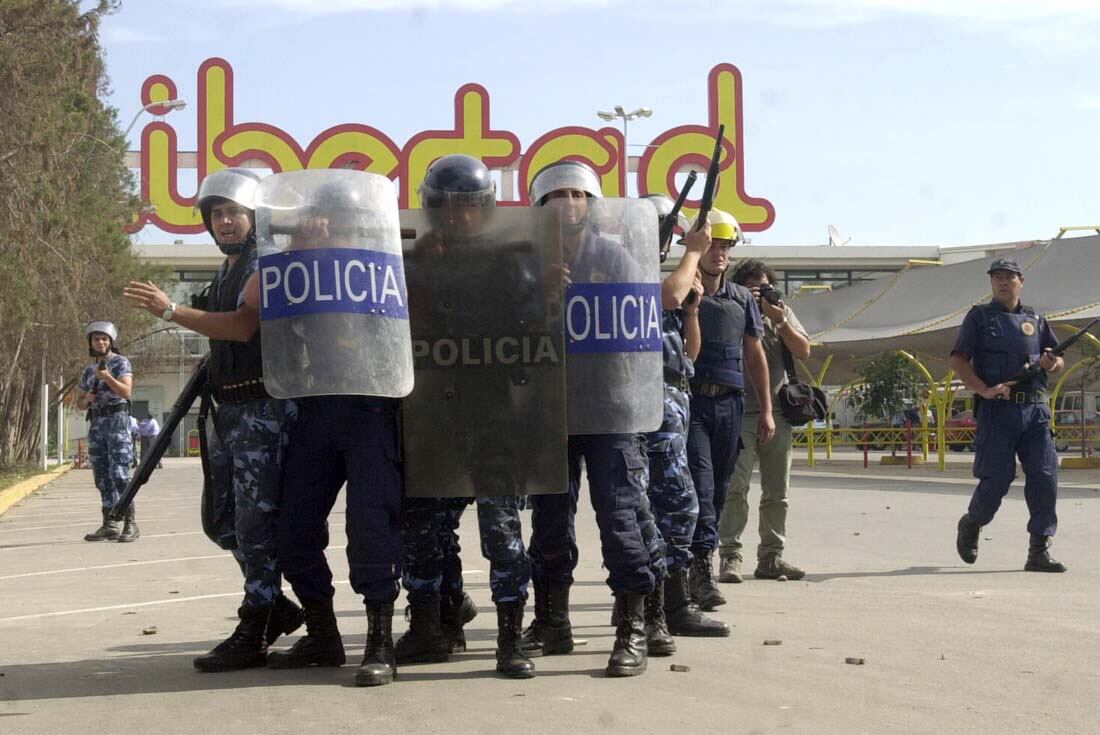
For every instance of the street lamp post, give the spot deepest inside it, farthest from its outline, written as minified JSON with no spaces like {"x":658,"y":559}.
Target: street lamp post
{"x":626,"y":117}
{"x":167,"y":104}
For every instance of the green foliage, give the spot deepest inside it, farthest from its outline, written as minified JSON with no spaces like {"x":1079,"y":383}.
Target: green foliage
{"x":65,"y":194}
{"x":890,"y":381}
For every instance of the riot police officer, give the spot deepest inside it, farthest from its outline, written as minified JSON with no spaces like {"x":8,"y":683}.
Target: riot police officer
{"x":672,"y":494}
{"x":246,"y":451}
{"x":346,"y":434}
{"x":615,"y":463}
{"x":105,"y":387}
{"x":731,"y":330}
{"x":443,"y":270}
{"x":995,"y":343}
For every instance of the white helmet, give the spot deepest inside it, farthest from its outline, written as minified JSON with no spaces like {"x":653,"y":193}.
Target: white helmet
{"x":235,"y":184}
{"x":564,"y":175}
{"x":102,"y":327}
{"x":664,"y":207}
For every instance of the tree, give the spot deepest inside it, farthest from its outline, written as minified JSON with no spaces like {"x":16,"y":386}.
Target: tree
{"x":65,"y":194}
{"x":889,"y":381}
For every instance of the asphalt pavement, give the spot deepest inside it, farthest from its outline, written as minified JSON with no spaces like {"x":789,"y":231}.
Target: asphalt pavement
{"x":97,"y":637}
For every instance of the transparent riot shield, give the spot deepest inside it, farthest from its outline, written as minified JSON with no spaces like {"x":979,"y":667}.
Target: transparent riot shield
{"x":487,"y":415}
{"x":613,"y":320}
{"x":333,"y":307}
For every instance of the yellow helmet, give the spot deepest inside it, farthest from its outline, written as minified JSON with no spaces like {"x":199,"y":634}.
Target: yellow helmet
{"x":723,"y":226}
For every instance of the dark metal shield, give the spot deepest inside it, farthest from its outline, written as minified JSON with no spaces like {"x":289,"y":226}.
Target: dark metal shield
{"x":487,"y":414}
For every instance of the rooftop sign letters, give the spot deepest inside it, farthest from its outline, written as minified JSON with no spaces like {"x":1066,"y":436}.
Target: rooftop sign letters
{"x":224,"y":142}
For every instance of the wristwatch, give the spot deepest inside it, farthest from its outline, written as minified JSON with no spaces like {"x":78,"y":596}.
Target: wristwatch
{"x":779,"y":324}
{"x":169,"y":312}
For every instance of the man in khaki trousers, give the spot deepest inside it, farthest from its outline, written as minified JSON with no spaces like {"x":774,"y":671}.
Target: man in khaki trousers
{"x":781,"y":327}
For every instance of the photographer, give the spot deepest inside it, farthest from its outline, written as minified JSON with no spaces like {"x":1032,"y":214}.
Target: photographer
{"x":781,"y":328}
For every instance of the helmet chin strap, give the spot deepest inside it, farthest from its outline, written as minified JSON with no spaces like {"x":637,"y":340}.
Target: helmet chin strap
{"x":712,"y":275}
{"x":236,"y":248}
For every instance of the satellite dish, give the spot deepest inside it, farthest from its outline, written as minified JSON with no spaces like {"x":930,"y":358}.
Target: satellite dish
{"x":835,"y":237}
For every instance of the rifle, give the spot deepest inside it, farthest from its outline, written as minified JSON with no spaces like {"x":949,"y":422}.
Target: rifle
{"x":707,"y":201}
{"x":194,"y":388}
{"x":1031,"y":371}
{"x":668,"y":224}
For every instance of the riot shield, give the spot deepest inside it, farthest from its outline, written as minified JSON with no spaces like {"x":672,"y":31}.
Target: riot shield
{"x":487,"y":415}
{"x":333,"y":308}
{"x":614,"y":364}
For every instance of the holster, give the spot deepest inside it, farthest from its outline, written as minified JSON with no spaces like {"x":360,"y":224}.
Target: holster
{"x":217,"y":507}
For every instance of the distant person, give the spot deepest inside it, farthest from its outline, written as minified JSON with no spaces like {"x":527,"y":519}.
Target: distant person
{"x":134,"y":435}
{"x":148,"y":429}
{"x":995,"y":343}
{"x":105,"y":387}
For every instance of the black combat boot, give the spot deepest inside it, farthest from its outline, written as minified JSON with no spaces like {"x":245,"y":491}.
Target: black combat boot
{"x":245,"y":649}
{"x":1038,"y":559}
{"x":657,"y":638}
{"x":701,"y":583}
{"x":550,"y":633}
{"x":616,"y":611}
{"x":379,"y":664}
{"x":320,"y":646}
{"x":423,"y":642}
{"x":683,"y":615}
{"x":454,"y":612}
{"x":130,"y":530}
{"x":511,"y":660}
{"x":107,"y":532}
{"x":966,"y":542}
{"x":628,"y":657}
{"x":286,"y":617}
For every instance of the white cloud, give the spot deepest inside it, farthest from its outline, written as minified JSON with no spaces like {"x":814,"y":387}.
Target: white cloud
{"x":327,"y":7}
{"x":1089,"y":103}
{"x":121,"y":35}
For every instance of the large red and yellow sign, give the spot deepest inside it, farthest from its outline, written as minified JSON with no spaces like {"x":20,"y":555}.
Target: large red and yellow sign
{"x":223,"y":142}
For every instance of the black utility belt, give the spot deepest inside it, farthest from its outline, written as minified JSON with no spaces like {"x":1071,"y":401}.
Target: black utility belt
{"x":712,"y":390}
{"x":243,"y":392}
{"x":95,"y":413}
{"x":1023,"y":396}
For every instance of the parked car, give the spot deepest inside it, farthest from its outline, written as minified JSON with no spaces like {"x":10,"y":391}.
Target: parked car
{"x":960,"y":440}
{"x":1071,"y":420}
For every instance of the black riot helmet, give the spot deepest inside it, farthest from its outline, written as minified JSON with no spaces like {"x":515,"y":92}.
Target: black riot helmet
{"x":457,"y":180}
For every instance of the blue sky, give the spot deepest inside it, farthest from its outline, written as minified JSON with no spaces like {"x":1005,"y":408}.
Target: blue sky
{"x":942,"y":122}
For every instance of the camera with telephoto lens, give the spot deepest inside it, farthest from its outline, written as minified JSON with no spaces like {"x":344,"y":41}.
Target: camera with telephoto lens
{"x":771,"y":294}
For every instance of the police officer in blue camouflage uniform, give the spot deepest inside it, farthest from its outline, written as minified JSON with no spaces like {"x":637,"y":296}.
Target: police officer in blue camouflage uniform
{"x":250,"y":427}
{"x":616,"y":467}
{"x":672,"y":494}
{"x":460,"y":192}
{"x":731,"y":329}
{"x":996,"y":342}
{"x":105,"y":388}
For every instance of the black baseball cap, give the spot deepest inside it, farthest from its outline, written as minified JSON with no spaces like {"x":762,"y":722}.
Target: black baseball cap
{"x":1006,"y":264}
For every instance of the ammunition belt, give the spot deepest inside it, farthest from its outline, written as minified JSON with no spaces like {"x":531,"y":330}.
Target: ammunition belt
{"x":712,"y":390}
{"x":94,"y":413}
{"x":676,"y":380}
{"x":1024,"y":396}
{"x":243,"y":392}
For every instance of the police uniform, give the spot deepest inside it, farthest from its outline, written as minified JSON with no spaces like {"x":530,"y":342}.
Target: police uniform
{"x":1000,"y":343}
{"x":461,"y":286}
{"x":717,"y":405}
{"x":617,"y":477}
{"x":251,"y":435}
{"x":110,"y":444}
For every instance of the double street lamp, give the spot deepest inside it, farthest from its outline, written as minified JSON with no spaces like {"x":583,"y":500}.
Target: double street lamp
{"x":626,"y":117}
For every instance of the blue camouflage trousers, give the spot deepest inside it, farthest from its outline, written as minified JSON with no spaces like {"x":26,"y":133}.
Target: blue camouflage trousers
{"x":432,"y":563}
{"x":246,"y":457}
{"x":672,"y":495}
{"x":111,"y":450}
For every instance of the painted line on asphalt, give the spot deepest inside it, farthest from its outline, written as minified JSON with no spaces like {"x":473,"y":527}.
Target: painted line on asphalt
{"x":71,"y":525}
{"x":144,"y":536}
